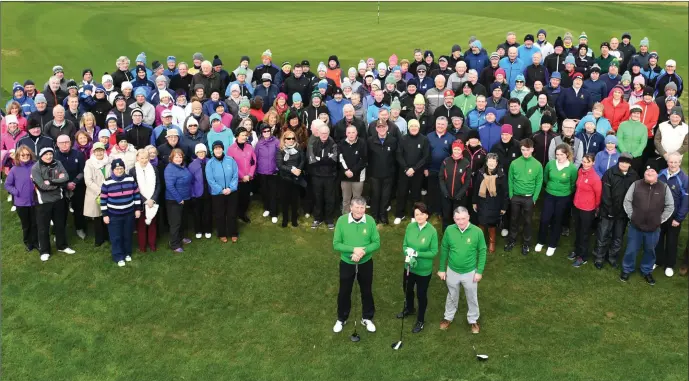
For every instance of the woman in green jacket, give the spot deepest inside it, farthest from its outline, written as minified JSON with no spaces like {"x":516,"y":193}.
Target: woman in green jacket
{"x":419,"y":248}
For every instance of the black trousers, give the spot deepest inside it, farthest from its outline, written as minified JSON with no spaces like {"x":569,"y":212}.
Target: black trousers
{"x":639,"y":165}
{"x":290,"y":200}
{"x":668,"y":243}
{"x":381,"y":189}
{"x":54,"y":211}
{"x":202,"y":208}
{"x":27,"y":216}
{"x":176,"y":218}
{"x":434,"y":197}
{"x":323,"y":198}
{"x":225,"y":213}
{"x":364,"y":275}
{"x":77,"y":203}
{"x":521,"y":208}
{"x":421,"y":283}
{"x":307,"y":195}
{"x":609,"y":235}
{"x":448,"y":207}
{"x":583,"y":223}
{"x":161,"y":216}
{"x":269,"y":193}
{"x":100,"y":230}
{"x":243,"y":198}
{"x":552,"y":218}
{"x":408,"y":188}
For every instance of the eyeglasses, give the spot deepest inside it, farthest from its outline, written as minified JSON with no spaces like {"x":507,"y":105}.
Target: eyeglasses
{"x":523,"y":81}
{"x":289,"y":138}
{"x":266,"y":131}
{"x":421,"y":71}
{"x":24,"y":155}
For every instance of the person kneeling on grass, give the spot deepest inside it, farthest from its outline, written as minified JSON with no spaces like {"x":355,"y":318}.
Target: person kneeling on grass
{"x":356,"y":238}
{"x":464,"y":249}
{"x":420,"y":248}
{"x":120,"y":204}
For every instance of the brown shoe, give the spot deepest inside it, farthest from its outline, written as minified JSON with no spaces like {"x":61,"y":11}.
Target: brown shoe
{"x":223,"y":239}
{"x":491,"y":239}
{"x":234,"y":239}
{"x":445,"y":324}
{"x":683,"y":270}
{"x":475,"y":328}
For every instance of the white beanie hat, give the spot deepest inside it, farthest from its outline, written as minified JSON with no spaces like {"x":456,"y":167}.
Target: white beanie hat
{"x":10,"y":118}
{"x":191,"y":120}
{"x":382,"y":66}
{"x":126,"y":85}
{"x":362,"y":65}
{"x":106,"y":78}
{"x":200,"y":147}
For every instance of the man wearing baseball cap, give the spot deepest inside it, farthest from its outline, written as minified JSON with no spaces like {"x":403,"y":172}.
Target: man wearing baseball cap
{"x":160,"y":132}
{"x":648,"y":204}
{"x":266,"y":89}
{"x":448,"y":108}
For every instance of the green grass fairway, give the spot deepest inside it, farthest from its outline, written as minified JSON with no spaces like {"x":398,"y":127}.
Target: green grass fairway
{"x":263,"y":309}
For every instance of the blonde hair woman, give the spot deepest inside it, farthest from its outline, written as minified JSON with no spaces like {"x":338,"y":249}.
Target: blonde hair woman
{"x":290,"y":161}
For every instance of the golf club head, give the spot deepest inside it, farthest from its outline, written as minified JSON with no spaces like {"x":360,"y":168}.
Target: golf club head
{"x":397,"y":345}
{"x":355,"y":337}
{"x":481,"y":357}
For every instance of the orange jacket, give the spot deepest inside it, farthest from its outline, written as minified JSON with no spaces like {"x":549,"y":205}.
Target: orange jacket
{"x":335,"y":75}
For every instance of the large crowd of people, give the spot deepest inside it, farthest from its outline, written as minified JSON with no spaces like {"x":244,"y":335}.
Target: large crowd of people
{"x":596,"y":132}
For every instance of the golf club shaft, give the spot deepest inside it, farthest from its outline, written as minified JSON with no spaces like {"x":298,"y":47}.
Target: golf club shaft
{"x":356,"y":280}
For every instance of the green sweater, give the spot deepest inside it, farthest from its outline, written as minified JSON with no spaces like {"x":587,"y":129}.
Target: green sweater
{"x":467,"y":250}
{"x":465,"y":103}
{"x":560,"y":182}
{"x":349,"y":235}
{"x":425,"y":242}
{"x":632,"y":138}
{"x":525,"y":177}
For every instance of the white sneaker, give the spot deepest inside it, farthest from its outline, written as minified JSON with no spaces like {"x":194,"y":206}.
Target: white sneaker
{"x":208,"y":235}
{"x":13,"y":208}
{"x":397,"y":221}
{"x":274,"y":220}
{"x":654,"y":266}
{"x":388,"y":209}
{"x":307,"y":215}
{"x":128,"y":258}
{"x":67,"y":250}
{"x":54,"y":239}
{"x":669,"y":272}
{"x":337,"y":328}
{"x":538,"y":248}
{"x":81,"y":234}
{"x":266,"y":213}
{"x":424,"y":192}
{"x":71,"y":210}
{"x":120,"y":263}
{"x":368,"y":324}
{"x":550,"y":251}
{"x":198,"y":235}
{"x":504,"y":232}
{"x":45,"y":257}
{"x":9,"y":198}
{"x":51,"y":223}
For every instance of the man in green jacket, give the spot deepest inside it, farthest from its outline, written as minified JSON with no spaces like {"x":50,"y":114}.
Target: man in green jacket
{"x":463,"y":250}
{"x":525,"y":180}
{"x":632,"y":137}
{"x":356,"y":238}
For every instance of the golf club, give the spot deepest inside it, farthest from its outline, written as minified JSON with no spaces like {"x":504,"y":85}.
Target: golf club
{"x":355,"y":336}
{"x":478,"y":356}
{"x":398,"y":344}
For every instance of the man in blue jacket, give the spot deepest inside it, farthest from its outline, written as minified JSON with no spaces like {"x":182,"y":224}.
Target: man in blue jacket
{"x":512,"y":65}
{"x":476,"y":58}
{"x":489,"y":133}
{"x":678,"y":182}
{"x":526,"y":51}
{"x":669,"y":75}
{"x":266,"y":90}
{"x":477,"y":117}
{"x":574,"y":102}
{"x":336,"y":106}
{"x":440,"y":143}
{"x":597,"y":88}
{"x":27,"y":104}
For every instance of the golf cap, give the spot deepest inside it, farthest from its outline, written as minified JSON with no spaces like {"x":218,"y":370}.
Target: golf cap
{"x":166,"y":113}
{"x":172,"y":132}
{"x":635,"y":108}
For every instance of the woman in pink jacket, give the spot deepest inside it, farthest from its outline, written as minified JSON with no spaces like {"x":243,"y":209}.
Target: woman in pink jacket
{"x":13,"y":108}
{"x":8,"y":142}
{"x":243,"y":153}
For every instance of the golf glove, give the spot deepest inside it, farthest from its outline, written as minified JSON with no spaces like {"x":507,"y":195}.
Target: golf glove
{"x":412,"y":262}
{"x":411,"y":252}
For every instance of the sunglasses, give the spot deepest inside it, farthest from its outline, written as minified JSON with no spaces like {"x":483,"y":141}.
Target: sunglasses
{"x":266,"y":131}
{"x":421,"y":71}
{"x":289,"y":138}
{"x":519,"y":81}
{"x":24,"y":155}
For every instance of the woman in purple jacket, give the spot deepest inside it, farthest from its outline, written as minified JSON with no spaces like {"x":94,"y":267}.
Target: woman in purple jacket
{"x":20,"y":185}
{"x":267,"y":170}
{"x":200,"y":196}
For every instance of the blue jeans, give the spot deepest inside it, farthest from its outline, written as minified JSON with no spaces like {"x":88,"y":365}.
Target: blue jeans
{"x":639,"y":239}
{"x":121,"y":230}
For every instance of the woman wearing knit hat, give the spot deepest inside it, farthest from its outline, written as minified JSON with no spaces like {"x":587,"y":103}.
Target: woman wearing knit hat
{"x":148,"y":180}
{"x":490,"y":197}
{"x":637,"y":93}
{"x":243,"y":153}
{"x":543,"y":137}
{"x":124,"y":151}
{"x":96,"y":170}
{"x":20,"y":186}
{"x":102,"y":106}
{"x":200,"y":201}
{"x":222,"y":177}
{"x":454,"y":177}
{"x":120,"y":204}
{"x":49,"y":176}
{"x":608,"y":157}
{"x":177,"y":195}
{"x":615,"y":108}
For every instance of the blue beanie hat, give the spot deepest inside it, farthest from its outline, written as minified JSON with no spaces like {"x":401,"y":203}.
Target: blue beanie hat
{"x":520,"y":77}
{"x":323,"y":84}
{"x":541,"y":31}
{"x":570,"y":59}
{"x":296,"y":97}
{"x":611,"y":139}
{"x":171,"y":59}
{"x":494,"y":86}
{"x":477,"y":44}
{"x":141,"y":58}
{"x":139,"y":91}
{"x":215,"y":116}
{"x":16,"y":87}
{"x":116,"y":163}
{"x":491,"y":110}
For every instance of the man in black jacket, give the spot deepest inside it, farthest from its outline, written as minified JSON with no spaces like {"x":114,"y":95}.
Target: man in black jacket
{"x":138,"y":133}
{"x":73,"y":161}
{"x":339,"y":130}
{"x":448,"y":108}
{"x":353,"y":161}
{"x":182,"y":80}
{"x":296,"y":83}
{"x":413,"y":155}
{"x":35,"y":139}
{"x":382,"y":151}
{"x":323,"y":158}
{"x":59,"y":125}
{"x":556,"y":61}
{"x":521,"y":125}
{"x":209,"y":79}
{"x":613,"y":220}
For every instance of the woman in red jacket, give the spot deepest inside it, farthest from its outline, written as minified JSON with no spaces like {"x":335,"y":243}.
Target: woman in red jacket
{"x":615,"y":109}
{"x":586,"y":202}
